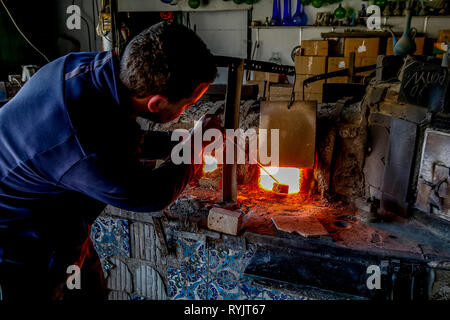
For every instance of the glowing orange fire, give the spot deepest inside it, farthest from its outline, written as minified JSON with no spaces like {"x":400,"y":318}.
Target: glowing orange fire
{"x":210,"y":164}
{"x":289,"y":176}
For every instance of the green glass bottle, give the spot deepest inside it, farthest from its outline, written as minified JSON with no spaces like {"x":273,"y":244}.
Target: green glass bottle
{"x":317,"y":3}
{"x":194,"y":4}
{"x":340,"y":12}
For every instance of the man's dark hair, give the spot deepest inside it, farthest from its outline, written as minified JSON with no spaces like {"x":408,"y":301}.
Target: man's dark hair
{"x":167,"y":59}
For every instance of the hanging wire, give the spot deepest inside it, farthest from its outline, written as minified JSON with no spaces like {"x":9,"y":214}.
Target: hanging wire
{"x":22,"y":34}
{"x":87,"y":25}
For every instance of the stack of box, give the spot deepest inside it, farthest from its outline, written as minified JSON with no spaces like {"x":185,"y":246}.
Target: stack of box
{"x":280,"y":92}
{"x":366,"y":52}
{"x":312,"y":63}
{"x":263,"y":80}
{"x":337,"y":64}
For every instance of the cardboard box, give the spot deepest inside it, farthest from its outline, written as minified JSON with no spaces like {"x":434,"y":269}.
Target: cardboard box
{"x":280,"y":92}
{"x":365,"y":61}
{"x":420,"y":44}
{"x":261,"y":85}
{"x":336,"y":64}
{"x":299,"y":97}
{"x":279,"y":89}
{"x":363,"y":47}
{"x":442,"y":35}
{"x":309,"y":97}
{"x":315,"y":87}
{"x":315,"y":48}
{"x":310,"y":65}
{"x":265,"y":76}
{"x":338,"y":80}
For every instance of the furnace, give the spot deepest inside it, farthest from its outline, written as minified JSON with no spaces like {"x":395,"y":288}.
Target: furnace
{"x":332,"y":210}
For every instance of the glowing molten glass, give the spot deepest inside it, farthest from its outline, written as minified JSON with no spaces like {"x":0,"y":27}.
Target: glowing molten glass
{"x":210,"y":164}
{"x":289,"y":176}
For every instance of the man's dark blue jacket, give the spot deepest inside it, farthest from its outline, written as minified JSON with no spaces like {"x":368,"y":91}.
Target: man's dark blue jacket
{"x":68,"y":146}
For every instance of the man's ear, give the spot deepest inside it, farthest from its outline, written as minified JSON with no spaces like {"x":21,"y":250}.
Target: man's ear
{"x":157,"y":103}
{"x":200,"y":90}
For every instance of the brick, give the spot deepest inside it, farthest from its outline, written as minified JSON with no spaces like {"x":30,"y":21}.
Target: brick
{"x":224,"y":221}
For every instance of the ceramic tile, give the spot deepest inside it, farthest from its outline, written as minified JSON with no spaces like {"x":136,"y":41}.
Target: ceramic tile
{"x":193,"y":251}
{"x":197,"y":290}
{"x":223,"y":259}
{"x":111,"y":237}
{"x":246,"y":291}
{"x":224,"y":287}
{"x":176,"y":283}
{"x":273,"y":294}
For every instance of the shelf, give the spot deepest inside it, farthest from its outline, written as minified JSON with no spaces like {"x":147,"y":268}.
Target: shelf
{"x":340,"y":27}
{"x":292,"y":27}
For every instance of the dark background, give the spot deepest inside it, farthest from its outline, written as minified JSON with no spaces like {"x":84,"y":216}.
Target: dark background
{"x":44,"y":23}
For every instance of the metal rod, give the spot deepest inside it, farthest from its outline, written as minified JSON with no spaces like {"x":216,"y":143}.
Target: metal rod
{"x":257,"y":162}
{"x":232,"y":106}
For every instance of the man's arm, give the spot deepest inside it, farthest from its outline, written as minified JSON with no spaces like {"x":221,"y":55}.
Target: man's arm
{"x":122,"y":182}
{"x":128,"y":186}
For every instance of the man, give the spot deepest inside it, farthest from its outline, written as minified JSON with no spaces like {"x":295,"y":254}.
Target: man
{"x":70,"y":144}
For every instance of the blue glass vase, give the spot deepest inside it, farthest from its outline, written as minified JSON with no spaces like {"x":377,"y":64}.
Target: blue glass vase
{"x":276,"y":14}
{"x":299,"y":18}
{"x":287,"y":13}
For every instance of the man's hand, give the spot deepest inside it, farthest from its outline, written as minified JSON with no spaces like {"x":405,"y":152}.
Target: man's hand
{"x":206,"y":122}
{"x":210,"y":121}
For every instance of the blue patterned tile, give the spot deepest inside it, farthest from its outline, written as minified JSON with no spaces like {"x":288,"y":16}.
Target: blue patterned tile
{"x":176,"y":283}
{"x":216,"y":273}
{"x":226,"y":280}
{"x":194,"y":273}
{"x":216,"y":291}
{"x":248,"y":255}
{"x":223,"y":259}
{"x":197,"y":290}
{"x":245,"y":291}
{"x":139,"y":298}
{"x":193,"y":251}
{"x":213,"y":293}
{"x":273,"y":294}
{"x":111,"y":237}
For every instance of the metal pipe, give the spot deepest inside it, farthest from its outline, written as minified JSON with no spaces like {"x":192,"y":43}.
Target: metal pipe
{"x":232,"y":107}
